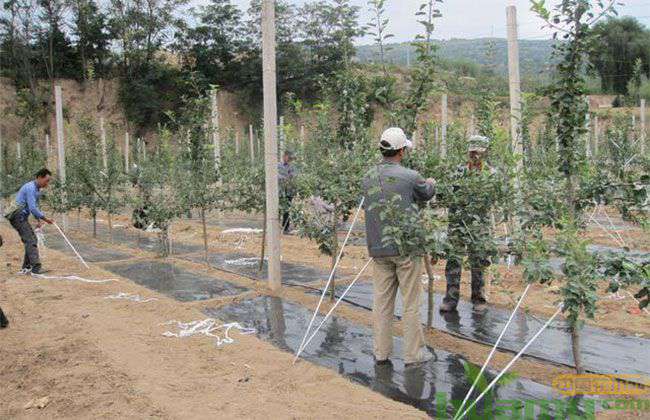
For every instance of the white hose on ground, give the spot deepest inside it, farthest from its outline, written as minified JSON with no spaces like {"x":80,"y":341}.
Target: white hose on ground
{"x":494,"y":349}
{"x":509,"y":365}
{"x":300,"y":350}
{"x":130,"y":297}
{"x":77,"y":278}
{"x":71,"y":246}
{"x":207,"y":327}
{"x":329,"y":280}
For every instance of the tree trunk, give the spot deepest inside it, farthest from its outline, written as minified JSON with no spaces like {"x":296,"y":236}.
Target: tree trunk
{"x":205,"y":234}
{"x":335,"y":252}
{"x":429,"y":270}
{"x":94,"y":214}
{"x":575,"y":347}
{"x":110,"y":226}
{"x":164,"y":241}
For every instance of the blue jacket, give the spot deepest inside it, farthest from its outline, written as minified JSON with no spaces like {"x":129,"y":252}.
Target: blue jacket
{"x":27,"y":198}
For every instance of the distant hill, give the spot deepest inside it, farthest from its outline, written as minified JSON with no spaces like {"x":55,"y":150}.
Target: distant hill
{"x":534,"y":55}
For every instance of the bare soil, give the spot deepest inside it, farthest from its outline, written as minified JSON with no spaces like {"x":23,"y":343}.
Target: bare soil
{"x":95,"y":357}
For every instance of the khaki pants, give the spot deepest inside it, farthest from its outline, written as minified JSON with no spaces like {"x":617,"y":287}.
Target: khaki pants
{"x":389,"y":274}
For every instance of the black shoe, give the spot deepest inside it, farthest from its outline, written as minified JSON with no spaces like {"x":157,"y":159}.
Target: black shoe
{"x":448,"y":307}
{"x":480,"y":304}
{"x":39,"y":270}
{"x":385,"y":362}
{"x":4,"y":322}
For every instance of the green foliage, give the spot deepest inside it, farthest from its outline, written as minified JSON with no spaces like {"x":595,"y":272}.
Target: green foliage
{"x":89,"y":184}
{"x":332,"y":173}
{"x":620,"y":43}
{"x":472,"y":373}
{"x":412,"y":231}
{"x":580,"y":269}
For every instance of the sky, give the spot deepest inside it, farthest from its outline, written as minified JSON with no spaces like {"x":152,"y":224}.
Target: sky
{"x":472,"y":18}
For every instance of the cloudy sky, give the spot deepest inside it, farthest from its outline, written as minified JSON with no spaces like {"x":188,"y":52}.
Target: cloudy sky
{"x":474,"y":18}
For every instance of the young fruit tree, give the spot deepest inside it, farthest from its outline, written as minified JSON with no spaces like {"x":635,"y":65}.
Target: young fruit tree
{"x":572,"y":21}
{"x":157,"y":203}
{"x":197,"y":174}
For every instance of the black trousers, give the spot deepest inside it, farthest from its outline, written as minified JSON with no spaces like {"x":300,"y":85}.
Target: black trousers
{"x":31,"y":259}
{"x":3,"y":319}
{"x":286,"y":222}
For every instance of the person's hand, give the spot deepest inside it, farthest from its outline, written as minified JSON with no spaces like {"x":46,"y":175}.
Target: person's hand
{"x":39,"y":224}
{"x":48,"y":221}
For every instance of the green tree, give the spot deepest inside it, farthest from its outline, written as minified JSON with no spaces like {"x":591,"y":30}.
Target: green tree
{"x":378,"y":29}
{"x":620,"y":42}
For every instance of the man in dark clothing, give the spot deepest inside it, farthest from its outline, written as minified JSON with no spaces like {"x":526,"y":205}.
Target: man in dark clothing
{"x":390,"y":182}
{"x":286,"y":175}
{"x":475,"y":191}
{"x":27,"y":203}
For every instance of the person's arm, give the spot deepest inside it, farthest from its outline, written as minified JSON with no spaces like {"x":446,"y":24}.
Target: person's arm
{"x":424,"y":189}
{"x":32,"y":206}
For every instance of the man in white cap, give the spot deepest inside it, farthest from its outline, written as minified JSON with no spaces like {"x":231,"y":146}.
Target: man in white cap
{"x":383,"y":183}
{"x":475,"y":190}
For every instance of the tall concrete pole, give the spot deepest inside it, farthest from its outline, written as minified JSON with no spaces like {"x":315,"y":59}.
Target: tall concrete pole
{"x":644,"y":135}
{"x":214,"y":126}
{"x":514,"y":81}
{"x":271,"y":148}
{"x":443,"y":138}
{"x":251,"y":142}
{"x":282,"y":139}
{"x":60,"y":140}
{"x":102,"y":132}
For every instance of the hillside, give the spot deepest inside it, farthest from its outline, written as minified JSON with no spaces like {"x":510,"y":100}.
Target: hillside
{"x":535,"y":55}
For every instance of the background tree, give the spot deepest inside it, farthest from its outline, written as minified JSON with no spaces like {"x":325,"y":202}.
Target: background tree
{"x":621,"y":41}
{"x":378,"y":29}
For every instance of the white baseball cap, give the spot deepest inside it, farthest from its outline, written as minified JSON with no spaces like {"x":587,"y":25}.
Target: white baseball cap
{"x":394,"y":139}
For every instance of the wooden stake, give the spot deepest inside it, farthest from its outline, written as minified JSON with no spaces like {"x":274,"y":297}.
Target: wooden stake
{"x":596,"y":138}
{"x":270,"y":139}
{"x":643,"y":128}
{"x":443,"y":143}
{"x":302,"y":137}
{"x":214,"y":125}
{"x":48,"y":149}
{"x":251,"y":142}
{"x":60,"y":140}
{"x":237,"y":143}
{"x":127,"y":150}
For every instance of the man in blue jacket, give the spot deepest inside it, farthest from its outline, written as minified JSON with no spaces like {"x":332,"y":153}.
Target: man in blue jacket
{"x":27,"y":203}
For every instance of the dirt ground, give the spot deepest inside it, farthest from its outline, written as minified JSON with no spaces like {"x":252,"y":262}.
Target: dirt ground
{"x":93,"y":357}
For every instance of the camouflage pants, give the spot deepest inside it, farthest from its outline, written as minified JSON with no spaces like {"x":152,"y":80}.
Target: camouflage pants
{"x":478,"y":261}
